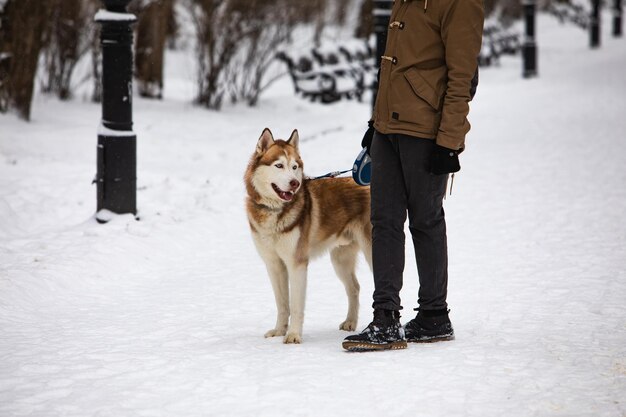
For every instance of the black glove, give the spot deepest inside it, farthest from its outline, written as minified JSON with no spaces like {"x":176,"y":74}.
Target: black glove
{"x":444,"y":161}
{"x":367,"y":137}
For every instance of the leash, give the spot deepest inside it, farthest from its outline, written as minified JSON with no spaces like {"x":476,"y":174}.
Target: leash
{"x":331,"y":174}
{"x":361,"y":171}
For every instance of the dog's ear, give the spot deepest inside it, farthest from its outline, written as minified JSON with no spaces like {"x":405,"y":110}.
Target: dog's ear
{"x":294,"y":139}
{"x":265,"y":141}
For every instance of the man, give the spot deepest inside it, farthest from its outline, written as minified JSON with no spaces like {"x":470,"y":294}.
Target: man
{"x":418,"y":126}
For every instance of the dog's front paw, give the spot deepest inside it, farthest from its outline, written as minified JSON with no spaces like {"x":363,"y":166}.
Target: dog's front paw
{"x":348,"y":325}
{"x":293,"y":338}
{"x":275,"y":332}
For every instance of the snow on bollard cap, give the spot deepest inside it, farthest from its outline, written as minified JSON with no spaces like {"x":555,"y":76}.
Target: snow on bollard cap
{"x":362,"y":168}
{"x":108,"y":16}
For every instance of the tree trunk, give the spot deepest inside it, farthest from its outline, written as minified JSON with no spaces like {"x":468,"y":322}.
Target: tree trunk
{"x":365,"y":26}
{"x":341,"y":11}
{"x":152,"y":31}
{"x":23,"y":40}
{"x":5,"y":60}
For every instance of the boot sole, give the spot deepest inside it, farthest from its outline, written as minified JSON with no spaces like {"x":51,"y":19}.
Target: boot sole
{"x":432,"y":339}
{"x":367,"y":347}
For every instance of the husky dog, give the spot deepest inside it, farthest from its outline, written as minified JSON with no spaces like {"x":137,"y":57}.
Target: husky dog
{"x":294,"y":219}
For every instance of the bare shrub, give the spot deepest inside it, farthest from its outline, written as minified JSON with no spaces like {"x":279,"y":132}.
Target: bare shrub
{"x":508,"y":10}
{"x":67,"y":24}
{"x":268,"y":26}
{"x":313,"y":11}
{"x":219,"y":31}
{"x":96,"y":64}
{"x":237,"y":41}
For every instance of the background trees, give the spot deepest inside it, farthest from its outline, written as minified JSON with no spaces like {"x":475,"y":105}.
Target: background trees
{"x":234,"y":43}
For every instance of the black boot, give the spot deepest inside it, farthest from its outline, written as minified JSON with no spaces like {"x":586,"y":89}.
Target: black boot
{"x":429,"y":326}
{"x":385,"y":332}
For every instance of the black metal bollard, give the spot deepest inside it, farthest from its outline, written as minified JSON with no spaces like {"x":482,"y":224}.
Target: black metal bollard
{"x":382,"y":14}
{"x":117,"y":143}
{"x":594,"y":27}
{"x":529,"y":49}
{"x":617,"y":18}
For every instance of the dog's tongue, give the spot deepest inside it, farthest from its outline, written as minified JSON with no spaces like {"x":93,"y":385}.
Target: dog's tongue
{"x":286,"y":195}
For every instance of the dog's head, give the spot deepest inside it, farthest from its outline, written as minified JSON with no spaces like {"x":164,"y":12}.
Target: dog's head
{"x":276,"y":169}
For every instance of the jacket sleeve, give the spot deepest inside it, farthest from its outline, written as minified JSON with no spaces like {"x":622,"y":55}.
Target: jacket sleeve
{"x":461,"y":33}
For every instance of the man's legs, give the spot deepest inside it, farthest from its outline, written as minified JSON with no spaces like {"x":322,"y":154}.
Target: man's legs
{"x":400,"y":181}
{"x":388,"y":214}
{"x":388,"y":217}
{"x":427,"y":224}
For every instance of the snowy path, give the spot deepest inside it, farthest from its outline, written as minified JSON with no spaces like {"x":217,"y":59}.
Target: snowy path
{"x":165,"y":316}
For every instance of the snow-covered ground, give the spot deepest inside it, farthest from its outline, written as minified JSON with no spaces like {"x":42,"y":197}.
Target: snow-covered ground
{"x":165,"y":316}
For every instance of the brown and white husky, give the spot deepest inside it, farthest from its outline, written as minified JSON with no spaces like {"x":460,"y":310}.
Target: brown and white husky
{"x":294,"y":219}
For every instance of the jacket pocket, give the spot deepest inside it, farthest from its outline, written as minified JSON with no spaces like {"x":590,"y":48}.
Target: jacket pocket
{"x":422,"y":88}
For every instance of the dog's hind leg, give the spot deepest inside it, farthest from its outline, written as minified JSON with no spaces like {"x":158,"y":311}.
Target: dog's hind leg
{"x":278,"y":276}
{"x":344,"y":262}
{"x":365,"y":243}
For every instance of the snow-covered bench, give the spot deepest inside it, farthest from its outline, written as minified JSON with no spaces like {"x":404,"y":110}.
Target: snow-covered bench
{"x":497,"y":41}
{"x":331,"y":73}
{"x":572,"y":12}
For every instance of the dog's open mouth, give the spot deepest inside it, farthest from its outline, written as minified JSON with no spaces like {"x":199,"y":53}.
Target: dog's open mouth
{"x":285,"y":195}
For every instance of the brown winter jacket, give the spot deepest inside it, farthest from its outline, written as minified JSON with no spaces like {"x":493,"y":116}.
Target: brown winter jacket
{"x":426,"y":72}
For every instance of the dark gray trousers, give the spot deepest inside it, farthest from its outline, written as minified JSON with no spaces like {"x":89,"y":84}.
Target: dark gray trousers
{"x":401,"y":184}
